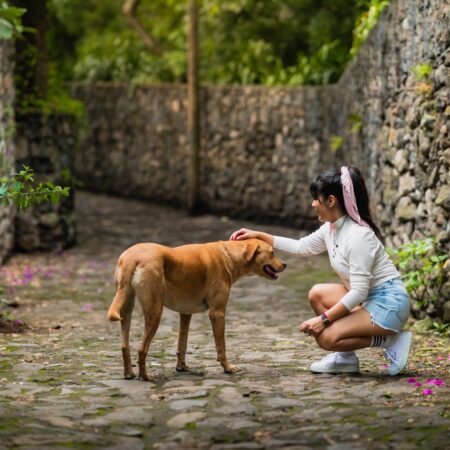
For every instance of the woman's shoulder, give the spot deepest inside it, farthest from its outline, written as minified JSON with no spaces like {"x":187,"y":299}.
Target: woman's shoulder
{"x":357,"y":231}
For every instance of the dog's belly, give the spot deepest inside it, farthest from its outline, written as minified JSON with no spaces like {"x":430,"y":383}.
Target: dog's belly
{"x":185,"y":305}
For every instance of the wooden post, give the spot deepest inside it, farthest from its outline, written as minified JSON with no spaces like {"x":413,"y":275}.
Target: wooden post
{"x":193,"y":111}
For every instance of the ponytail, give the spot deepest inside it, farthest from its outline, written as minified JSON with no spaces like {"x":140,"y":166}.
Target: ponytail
{"x":362,"y":200}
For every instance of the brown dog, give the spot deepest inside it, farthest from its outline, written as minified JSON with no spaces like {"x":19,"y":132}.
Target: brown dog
{"x":187,"y":279}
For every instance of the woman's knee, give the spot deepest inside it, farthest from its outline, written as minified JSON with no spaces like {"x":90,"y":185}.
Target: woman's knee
{"x":315,"y":294}
{"x":326,"y":341}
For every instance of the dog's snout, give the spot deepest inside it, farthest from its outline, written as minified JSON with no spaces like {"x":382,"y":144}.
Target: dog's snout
{"x":284,"y":266}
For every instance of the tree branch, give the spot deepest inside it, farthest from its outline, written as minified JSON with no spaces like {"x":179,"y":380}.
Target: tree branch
{"x":129,"y":10}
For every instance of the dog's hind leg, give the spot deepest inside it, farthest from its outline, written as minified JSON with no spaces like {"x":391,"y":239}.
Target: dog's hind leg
{"x":185,"y":320}
{"x":152,"y":307}
{"x":125,"y":323}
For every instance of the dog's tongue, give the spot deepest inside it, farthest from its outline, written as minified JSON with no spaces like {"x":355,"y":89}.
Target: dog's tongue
{"x":270,"y":271}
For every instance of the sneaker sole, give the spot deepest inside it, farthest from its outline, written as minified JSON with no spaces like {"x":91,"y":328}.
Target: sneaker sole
{"x":342,"y":369}
{"x":398,"y":368}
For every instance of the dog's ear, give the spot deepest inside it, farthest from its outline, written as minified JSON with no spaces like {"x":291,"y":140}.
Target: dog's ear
{"x":250,"y":250}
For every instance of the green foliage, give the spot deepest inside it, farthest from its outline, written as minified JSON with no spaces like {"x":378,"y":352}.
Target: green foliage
{"x":366,"y":21}
{"x":422,"y":270}
{"x":422,"y":71}
{"x":428,"y":324}
{"x":21,"y":189}
{"x":10,"y":20}
{"x":355,"y":122}
{"x":336,"y":142}
{"x":242,"y":41}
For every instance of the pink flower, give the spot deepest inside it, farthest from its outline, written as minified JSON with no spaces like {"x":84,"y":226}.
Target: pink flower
{"x":435,"y":381}
{"x":417,"y":384}
{"x":411,"y":380}
{"x":439,"y":358}
{"x":427,"y":392}
{"x":87,"y":307}
{"x":383,"y":366}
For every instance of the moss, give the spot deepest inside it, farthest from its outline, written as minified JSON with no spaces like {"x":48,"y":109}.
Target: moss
{"x":103,"y":411}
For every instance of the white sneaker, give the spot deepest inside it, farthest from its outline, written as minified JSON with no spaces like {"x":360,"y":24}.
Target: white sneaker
{"x":397,"y":352}
{"x":336,"y":363}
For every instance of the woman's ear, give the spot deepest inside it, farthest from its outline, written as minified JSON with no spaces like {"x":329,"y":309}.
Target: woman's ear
{"x":331,"y":201}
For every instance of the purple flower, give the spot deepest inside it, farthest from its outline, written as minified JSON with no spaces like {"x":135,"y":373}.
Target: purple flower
{"x":417,"y":384}
{"x":87,"y":307}
{"x":27,"y":276}
{"x":427,"y":392}
{"x":411,"y":380}
{"x":435,"y":382}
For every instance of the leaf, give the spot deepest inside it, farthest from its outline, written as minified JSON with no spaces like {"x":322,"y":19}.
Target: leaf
{"x":3,"y":189}
{"x":6,"y":29}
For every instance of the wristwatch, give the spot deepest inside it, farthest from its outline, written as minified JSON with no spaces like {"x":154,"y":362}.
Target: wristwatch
{"x":326,"y":321}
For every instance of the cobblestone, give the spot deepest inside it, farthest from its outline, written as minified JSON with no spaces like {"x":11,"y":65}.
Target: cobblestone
{"x":61,"y":381}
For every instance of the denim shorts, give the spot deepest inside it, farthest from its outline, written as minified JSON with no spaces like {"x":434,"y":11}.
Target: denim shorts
{"x":388,"y":305}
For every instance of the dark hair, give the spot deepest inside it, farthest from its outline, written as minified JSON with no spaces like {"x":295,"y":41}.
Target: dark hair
{"x":329,"y":183}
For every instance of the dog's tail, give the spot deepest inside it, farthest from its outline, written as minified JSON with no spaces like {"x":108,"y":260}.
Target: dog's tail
{"x":124,"y":291}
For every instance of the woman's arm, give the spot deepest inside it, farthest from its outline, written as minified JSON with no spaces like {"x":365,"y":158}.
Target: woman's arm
{"x":245,"y":233}
{"x":313,"y":244}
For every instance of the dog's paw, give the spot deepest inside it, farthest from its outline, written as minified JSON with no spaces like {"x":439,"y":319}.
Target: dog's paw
{"x":231,"y":369}
{"x":182,"y":368}
{"x":145,"y":378}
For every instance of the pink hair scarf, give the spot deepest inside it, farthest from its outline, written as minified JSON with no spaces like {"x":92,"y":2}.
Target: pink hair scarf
{"x":349,"y":197}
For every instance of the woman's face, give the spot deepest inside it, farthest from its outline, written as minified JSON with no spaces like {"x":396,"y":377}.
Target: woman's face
{"x":324,"y":212}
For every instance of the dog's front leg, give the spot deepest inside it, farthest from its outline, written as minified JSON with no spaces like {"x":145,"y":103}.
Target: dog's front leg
{"x":217,"y":317}
{"x":185,"y":320}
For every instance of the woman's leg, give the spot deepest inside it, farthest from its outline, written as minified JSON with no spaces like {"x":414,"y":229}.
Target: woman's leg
{"x":351,"y":332}
{"x":326,"y":295}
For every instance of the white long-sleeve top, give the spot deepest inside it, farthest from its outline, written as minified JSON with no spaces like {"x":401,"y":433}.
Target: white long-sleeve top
{"x":356,"y":255}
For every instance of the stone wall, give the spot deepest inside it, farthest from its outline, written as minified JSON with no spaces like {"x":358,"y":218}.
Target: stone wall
{"x":259,"y":146}
{"x":45,"y":142}
{"x":404,"y":139}
{"x":405,"y":134}
{"x":6,"y":144}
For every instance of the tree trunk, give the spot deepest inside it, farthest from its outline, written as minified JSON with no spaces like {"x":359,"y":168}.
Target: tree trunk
{"x":193,"y":109}
{"x":31,"y":49}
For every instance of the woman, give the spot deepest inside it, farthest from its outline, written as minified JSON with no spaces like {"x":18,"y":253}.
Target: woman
{"x":371,"y":306}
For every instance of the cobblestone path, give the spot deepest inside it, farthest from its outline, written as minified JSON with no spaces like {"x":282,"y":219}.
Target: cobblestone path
{"x":61,"y":381}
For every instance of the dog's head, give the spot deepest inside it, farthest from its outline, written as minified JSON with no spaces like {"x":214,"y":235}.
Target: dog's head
{"x":261,"y":260}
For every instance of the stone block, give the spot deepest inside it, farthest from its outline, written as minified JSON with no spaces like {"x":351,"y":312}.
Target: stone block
{"x":443,"y":197}
{"x":405,"y":209}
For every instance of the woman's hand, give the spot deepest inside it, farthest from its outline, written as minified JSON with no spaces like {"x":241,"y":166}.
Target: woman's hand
{"x":313,"y":326}
{"x":244,"y":233}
